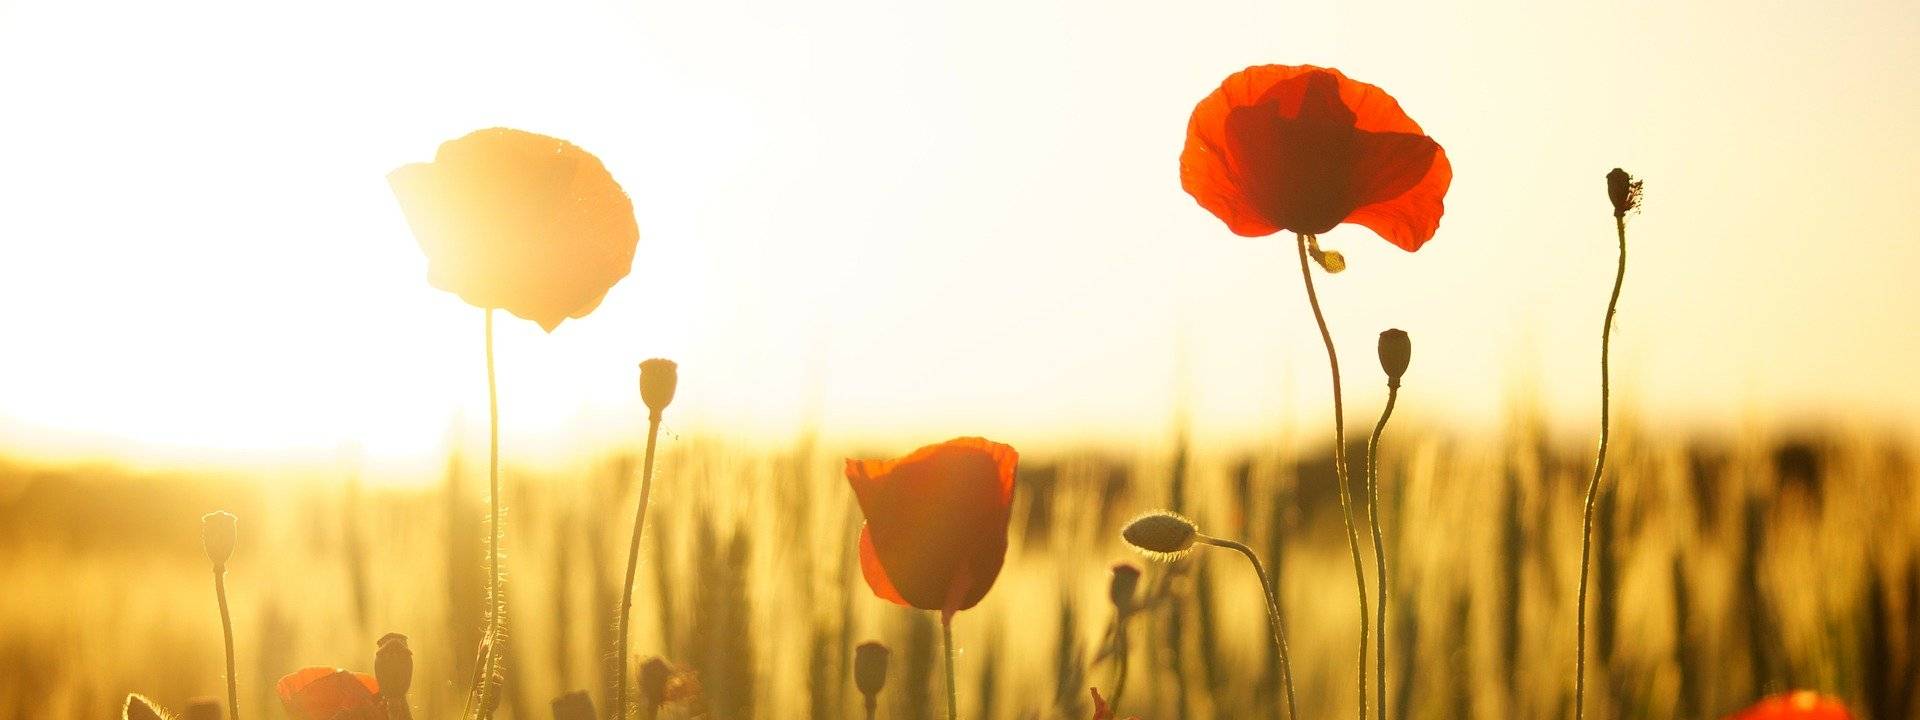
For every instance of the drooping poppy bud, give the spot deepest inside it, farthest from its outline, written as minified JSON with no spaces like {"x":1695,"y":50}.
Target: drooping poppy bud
{"x":217,"y":533}
{"x":1122,"y":587}
{"x":936,"y":532}
{"x":393,"y":667}
{"x":870,"y":670}
{"x":1161,"y":534}
{"x":1396,"y":350}
{"x":138,"y":707}
{"x":1623,"y":191}
{"x":658,"y":379}
{"x":654,"y":674}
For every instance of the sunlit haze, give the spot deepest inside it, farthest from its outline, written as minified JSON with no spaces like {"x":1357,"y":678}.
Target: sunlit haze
{"x":890,"y":223}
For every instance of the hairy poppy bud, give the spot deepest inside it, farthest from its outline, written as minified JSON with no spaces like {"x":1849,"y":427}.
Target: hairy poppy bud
{"x":216,"y":532}
{"x":658,"y":378}
{"x":654,"y":674}
{"x":1161,"y":534}
{"x":870,"y":669}
{"x":393,"y":667}
{"x":140,"y":708}
{"x":1126,"y":580}
{"x":1624,"y":191}
{"x":202,"y":709}
{"x":1396,"y":350}
{"x":573,"y":706}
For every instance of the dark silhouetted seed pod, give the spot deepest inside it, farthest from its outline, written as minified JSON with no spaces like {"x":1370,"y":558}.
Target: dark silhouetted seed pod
{"x":1161,"y":534}
{"x":202,"y":709}
{"x":658,"y":378}
{"x":217,"y":531}
{"x":393,"y":667}
{"x":1623,"y":191}
{"x":870,"y":668}
{"x":1396,"y":350}
{"x":1126,"y":581}
{"x":654,"y":674}
{"x":573,"y":706}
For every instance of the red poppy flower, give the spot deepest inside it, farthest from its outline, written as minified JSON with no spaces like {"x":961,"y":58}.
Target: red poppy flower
{"x":324,"y":693}
{"x":1797,"y":705}
{"x":1302,"y":148}
{"x":936,"y":531}
{"x":524,"y":222}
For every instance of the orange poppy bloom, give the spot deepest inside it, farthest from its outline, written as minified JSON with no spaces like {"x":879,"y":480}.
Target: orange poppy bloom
{"x":324,"y":693}
{"x":936,"y":531}
{"x":1302,"y":149}
{"x":1797,"y":705}
{"x":524,"y":222}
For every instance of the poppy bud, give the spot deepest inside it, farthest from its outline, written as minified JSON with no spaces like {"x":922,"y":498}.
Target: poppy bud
{"x":202,"y":709}
{"x":573,"y":706}
{"x":658,"y":378}
{"x":1624,"y":191}
{"x":1126,"y":579}
{"x":654,"y":674}
{"x":216,"y":532}
{"x":1396,"y":350}
{"x":1161,"y":534}
{"x":393,"y":667}
{"x":870,"y":669}
{"x":139,"y":708}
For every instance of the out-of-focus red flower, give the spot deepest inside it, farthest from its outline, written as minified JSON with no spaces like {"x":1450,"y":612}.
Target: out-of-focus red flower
{"x":1797,"y":705}
{"x":1100,"y":709}
{"x":936,"y":531}
{"x":514,"y":220}
{"x":324,"y":693}
{"x":1302,"y":148}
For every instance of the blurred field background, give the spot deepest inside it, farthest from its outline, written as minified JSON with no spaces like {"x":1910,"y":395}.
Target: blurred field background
{"x":1729,"y":567}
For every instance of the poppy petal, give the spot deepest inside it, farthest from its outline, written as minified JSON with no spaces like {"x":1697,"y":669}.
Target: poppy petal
{"x":875,"y":573}
{"x":323,"y":693}
{"x":1400,"y":181}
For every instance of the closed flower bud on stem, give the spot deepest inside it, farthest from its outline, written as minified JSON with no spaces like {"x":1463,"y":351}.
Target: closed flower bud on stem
{"x":870,"y":669}
{"x":1624,"y":191}
{"x":1161,"y":534}
{"x":1396,"y":350}
{"x":140,"y":708}
{"x":1126,"y":581}
{"x":658,"y":378}
{"x":393,"y":667}
{"x":217,"y":531}
{"x":654,"y":674}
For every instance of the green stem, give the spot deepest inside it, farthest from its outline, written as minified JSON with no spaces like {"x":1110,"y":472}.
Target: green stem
{"x":1340,"y":466}
{"x":1379,"y":552}
{"x":953,"y":693}
{"x":633,"y":564}
{"x":1593,"y":485}
{"x":1119,"y":660}
{"x":226,"y":628}
{"x":1274,"y":622}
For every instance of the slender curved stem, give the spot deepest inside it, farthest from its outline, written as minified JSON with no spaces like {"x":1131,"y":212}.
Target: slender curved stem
{"x":633,"y":564}
{"x":226,"y":628}
{"x":953,"y":693}
{"x":489,"y":662}
{"x":1340,"y":466}
{"x":1275,"y":623}
{"x":1593,"y":485}
{"x":1119,"y":660}
{"x":1379,"y":553}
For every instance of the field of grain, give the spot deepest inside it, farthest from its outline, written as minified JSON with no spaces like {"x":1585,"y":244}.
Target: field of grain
{"x":1726,"y":569}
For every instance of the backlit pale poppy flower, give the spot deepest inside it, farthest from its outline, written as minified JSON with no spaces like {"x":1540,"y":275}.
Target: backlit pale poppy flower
{"x":1797,"y":705}
{"x":936,"y":529}
{"x":1302,"y":149}
{"x":524,"y":222}
{"x":324,"y":693}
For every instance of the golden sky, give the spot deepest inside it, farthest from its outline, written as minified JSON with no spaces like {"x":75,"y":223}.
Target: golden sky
{"x":907,"y":221}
